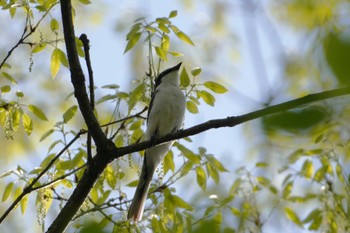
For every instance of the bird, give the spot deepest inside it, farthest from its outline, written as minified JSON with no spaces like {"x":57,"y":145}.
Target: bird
{"x":165,"y":115}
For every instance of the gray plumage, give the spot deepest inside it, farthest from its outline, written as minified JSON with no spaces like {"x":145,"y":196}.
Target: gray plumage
{"x":165,"y":115}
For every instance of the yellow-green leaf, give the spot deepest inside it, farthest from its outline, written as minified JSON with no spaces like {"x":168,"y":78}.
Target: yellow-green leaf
{"x":135,"y":96}
{"x":184,"y":78}
{"x":69,"y":114}
{"x":207,"y":97}
{"x":54,"y":25}
{"x":291,"y":215}
{"x":55,"y":62}
{"x":5,"y":88}
{"x":196,"y":71}
{"x":188,"y":154}
{"x":39,"y":47}
{"x":215,"y":87}
{"x":37,"y":112}
{"x":287,"y":190}
{"x":132,"y":41}
{"x":16,"y":118}
{"x":161,"y":53}
{"x":45,"y":135}
{"x":216,"y":163}
{"x":182,"y":36}
{"x":176,"y":54}
{"x":169,"y":162}
{"x":178,"y":202}
{"x":27,"y":123}
{"x":163,"y":28}
{"x":63,"y":58}
{"x":7,"y":191}
{"x":173,"y":14}
{"x":307,"y":169}
{"x":86,"y":2}
{"x":201,"y":178}
{"x":165,"y":43}
{"x":19,"y":94}
{"x":192,"y":107}
{"x":24,"y":204}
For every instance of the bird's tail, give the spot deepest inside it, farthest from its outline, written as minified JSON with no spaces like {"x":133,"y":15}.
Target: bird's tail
{"x":138,"y":202}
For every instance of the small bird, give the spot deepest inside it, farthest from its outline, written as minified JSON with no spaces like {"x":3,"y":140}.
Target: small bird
{"x":165,"y":115}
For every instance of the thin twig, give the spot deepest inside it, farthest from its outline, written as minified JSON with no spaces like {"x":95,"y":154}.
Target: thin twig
{"x":58,"y":178}
{"x":29,"y":188}
{"x":86,"y":45}
{"x":26,"y":34}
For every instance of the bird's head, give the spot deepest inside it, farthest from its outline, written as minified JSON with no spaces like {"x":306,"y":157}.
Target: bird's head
{"x":170,"y":75}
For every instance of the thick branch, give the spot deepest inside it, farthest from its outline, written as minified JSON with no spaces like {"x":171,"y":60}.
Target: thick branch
{"x":232,"y":120}
{"x":101,"y":160}
{"x":77,"y":76}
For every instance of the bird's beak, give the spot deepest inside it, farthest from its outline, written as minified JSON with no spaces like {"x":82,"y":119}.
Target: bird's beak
{"x":177,"y":67}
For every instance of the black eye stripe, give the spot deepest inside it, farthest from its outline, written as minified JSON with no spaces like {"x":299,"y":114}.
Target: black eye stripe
{"x":165,"y":72}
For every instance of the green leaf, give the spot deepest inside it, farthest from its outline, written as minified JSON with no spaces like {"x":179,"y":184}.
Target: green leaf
{"x":86,"y":2}
{"x":293,"y":216}
{"x":135,"y":96}
{"x":207,"y":97}
{"x":312,"y":215}
{"x":196,"y":71}
{"x":134,"y":38}
{"x":161,"y":53}
{"x":186,"y":168}
{"x":10,"y":78}
{"x":135,"y":28}
{"x":213,"y":173}
{"x":69,"y":114}
{"x":184,"y":78}
{"x":165,"y":43}
{"x":178,"y":202}
{"x":133,"y":183}
{"x":55,"y":62}
{"x":111,"y":86}
{"x":173,"y":14}
{"x":215,"y":87}
{"x":176,"y":54}
{"x":163,"y":28}
{"x":63,"y":58}
{"x":24,"y":204}
{"x":169,"y":162}
{"x":307,"y":169}
{"x":7,"y":191}
{"x":182,"y":36}
{"x":37,"y":112}
{"x":19,"y":94}
{"x":188,"y":154}
{"x":27,"y":123}
{"x":16,"y":118}
{"x":5,"y":88}
{"x":337,"y":53}
{"x":110,"y":177}
{"x":54,"y":25}
{"x":106,"y":98}
{"x":216,"y":163}
{"x":163,"y":20}
{"x":192,"y":107}
{"x":39,"y":47}
{"x":45,"y":135}
{"x":287,"y":190}
{"x":201,"y":178}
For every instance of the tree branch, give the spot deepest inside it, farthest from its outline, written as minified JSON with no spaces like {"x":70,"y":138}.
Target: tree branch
{"x":106,"y":150}
{"x":77,"y":76}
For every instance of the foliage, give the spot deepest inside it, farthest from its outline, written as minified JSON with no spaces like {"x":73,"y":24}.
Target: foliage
{"x":306,"y":183}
